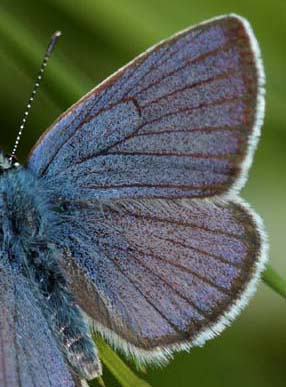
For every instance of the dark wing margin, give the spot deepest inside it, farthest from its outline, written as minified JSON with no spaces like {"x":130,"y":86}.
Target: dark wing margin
{"x":29,"y":355}
{"x":164,"y":275}
{"x":181,"y":120}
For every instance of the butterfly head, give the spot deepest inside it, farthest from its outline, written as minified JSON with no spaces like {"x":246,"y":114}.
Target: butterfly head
{"x":6,"y":162}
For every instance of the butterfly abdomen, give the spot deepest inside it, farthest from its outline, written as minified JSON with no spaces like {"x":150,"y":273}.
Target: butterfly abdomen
{"x":25,"y":221}
{"x":69,"y":324}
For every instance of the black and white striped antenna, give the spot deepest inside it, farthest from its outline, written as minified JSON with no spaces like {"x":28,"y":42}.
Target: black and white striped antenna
{"x":51,"y":46}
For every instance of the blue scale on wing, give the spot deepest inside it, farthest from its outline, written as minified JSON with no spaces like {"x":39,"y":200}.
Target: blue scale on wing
{"x":177,"y":143}
{"x":185,"y":49}
{"x":191,"y":75}
{"x":109,"y":127}
{"x":28,"y":351}
{"x":113,"y":176}
{"x":208,"y":118}
{"x":213,"y":93}
{"x":158,"y":264}
{"x":126,"y":303}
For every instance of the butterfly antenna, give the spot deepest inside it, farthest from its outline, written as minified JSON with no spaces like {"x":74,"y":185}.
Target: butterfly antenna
{"x":51,"y":46}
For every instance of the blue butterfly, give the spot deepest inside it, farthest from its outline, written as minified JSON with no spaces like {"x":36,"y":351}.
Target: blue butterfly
{"x":127,"y":213}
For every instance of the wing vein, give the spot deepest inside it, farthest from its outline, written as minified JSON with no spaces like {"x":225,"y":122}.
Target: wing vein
{"x":221,"y":76}
{"x":181,"y":223}
{"x":155,"y":64}
{"x":125,"y":274}
{"x":221,"y":259}
{"x":191,"y":303}
{"x":191,"y":61}
{"x":184,"y":268}
{"x":224,"y":156}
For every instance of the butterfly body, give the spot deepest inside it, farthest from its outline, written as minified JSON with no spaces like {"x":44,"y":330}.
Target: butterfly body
{"x":128,"y":211}
{"x":28,"y":236}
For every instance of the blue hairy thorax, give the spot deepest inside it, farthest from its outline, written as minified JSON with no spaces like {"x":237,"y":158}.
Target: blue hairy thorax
{"x":29,"y":221}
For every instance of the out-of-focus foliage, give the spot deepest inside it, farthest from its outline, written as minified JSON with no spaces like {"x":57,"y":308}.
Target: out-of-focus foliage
{"x":98,"y":37}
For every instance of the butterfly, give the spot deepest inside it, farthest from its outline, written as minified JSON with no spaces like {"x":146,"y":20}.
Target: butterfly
{"x":127,"y":213}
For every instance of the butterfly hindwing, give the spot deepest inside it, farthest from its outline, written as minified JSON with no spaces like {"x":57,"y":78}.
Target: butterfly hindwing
{"x":161,"y":274}
{"x":179,"y":121}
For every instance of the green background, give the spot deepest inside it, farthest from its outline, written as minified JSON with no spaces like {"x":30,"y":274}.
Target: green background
{"x":99,"y":36}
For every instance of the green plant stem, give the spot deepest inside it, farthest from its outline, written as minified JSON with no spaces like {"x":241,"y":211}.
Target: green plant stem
{"x":99,"y":382}
{"x":274,"y":281}
{"x":125,"y":376}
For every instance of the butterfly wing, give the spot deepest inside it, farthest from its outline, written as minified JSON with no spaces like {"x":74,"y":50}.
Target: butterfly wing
{"x":29,"y":355}
{"x":159,"y":275}
{"x":181,"y":120}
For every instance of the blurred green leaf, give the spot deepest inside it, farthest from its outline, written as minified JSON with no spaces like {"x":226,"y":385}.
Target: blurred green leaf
{"x":64,"y":86}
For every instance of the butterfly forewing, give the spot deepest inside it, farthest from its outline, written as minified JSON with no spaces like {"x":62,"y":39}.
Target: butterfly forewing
{"x":175,"y":122}
{"x":29,"y":355}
